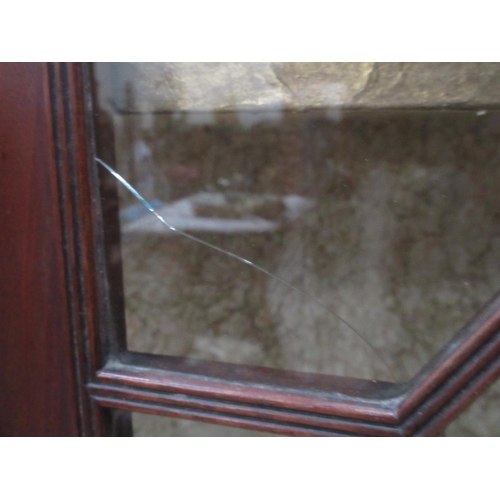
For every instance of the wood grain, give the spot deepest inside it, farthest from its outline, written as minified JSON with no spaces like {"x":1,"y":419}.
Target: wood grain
{"x":38,"y":391}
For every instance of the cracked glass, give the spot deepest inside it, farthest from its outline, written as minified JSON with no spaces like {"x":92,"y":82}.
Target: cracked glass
{"x":348,"y":212}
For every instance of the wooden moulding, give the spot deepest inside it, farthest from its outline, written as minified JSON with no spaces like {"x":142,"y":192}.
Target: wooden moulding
{"x":293,"y":403}
{"x":107,"y":377}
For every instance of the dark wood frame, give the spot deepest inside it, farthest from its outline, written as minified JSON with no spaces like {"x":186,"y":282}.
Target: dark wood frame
{"x":80,"y":373}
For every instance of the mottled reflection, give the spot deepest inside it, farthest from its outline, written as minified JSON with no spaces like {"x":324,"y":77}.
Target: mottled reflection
{"x":155,"y":426}
{"x":390,"y":219}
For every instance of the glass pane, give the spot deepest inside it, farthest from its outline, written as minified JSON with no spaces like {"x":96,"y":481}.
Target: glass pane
{"x":481,"y":418}
{"x":367,"y":213}
{"x":145,"y":425}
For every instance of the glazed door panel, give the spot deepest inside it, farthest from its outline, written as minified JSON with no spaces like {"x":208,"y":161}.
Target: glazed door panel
{"x":64,"y":364}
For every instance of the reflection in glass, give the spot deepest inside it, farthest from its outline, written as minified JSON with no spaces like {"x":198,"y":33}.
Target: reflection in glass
{"x":145,"y":425}
{"x":389,"y":219}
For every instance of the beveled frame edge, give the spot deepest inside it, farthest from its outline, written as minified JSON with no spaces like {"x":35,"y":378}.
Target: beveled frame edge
{"x":83,"y":238}
{"x":249,"y":397}
{"x":331,"y":406}
{"x":74,"y":234}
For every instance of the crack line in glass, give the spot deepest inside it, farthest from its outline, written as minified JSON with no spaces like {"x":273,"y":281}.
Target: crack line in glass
{"x":150,"y":208}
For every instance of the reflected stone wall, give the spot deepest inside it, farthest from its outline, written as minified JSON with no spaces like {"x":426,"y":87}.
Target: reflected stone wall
{"x":160,"y":87}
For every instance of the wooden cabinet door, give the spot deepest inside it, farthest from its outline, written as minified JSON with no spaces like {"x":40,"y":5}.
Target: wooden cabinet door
{"x":64,"y":364}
